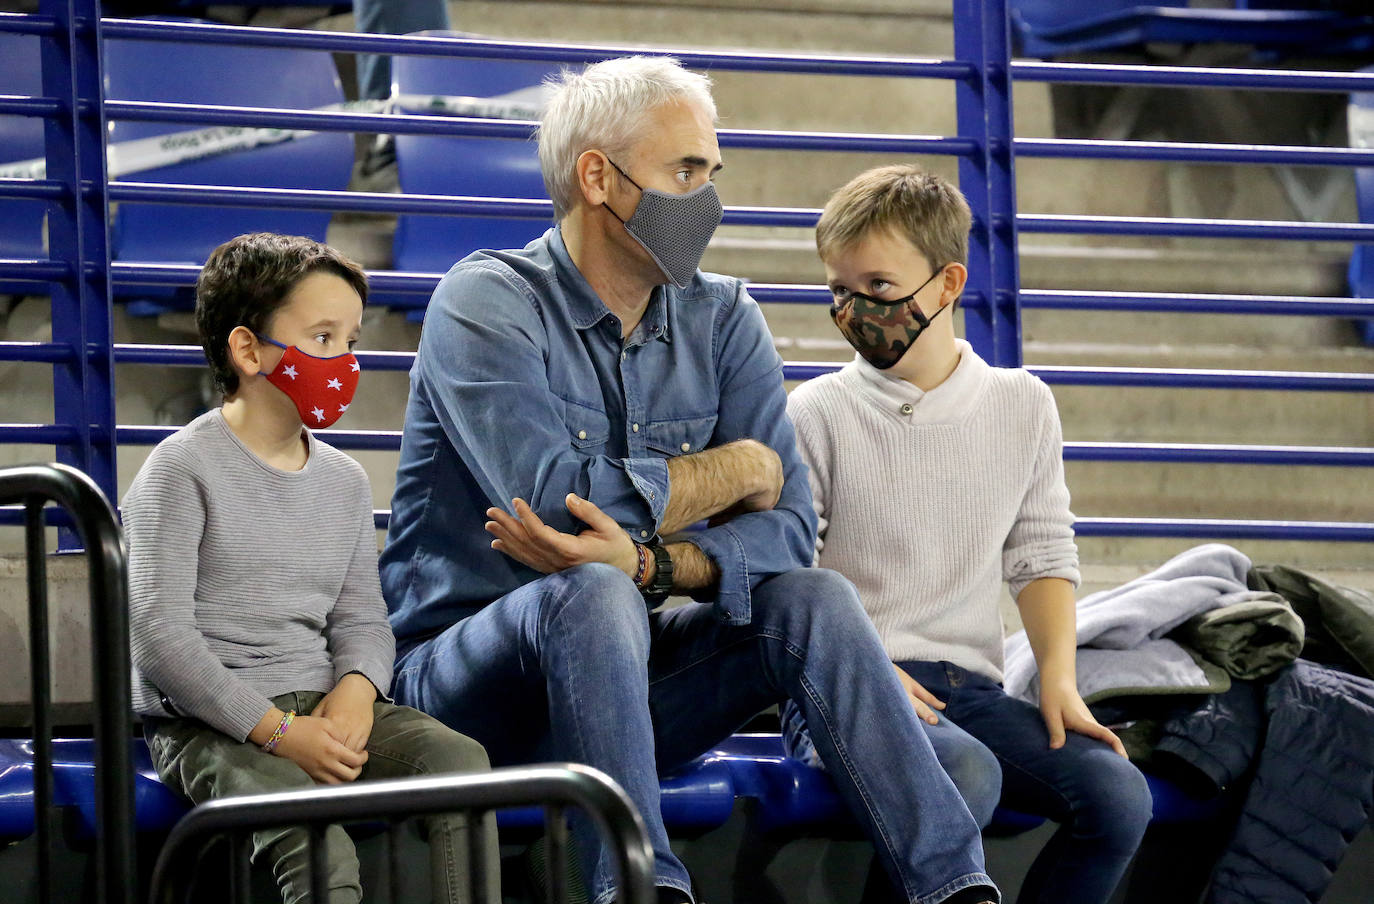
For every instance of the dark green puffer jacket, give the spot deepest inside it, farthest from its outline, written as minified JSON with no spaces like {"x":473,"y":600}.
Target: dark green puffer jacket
{"x":1339,"y":620}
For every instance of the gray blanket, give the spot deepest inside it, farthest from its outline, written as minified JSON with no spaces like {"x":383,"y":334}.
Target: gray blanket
{"x":1122,"y":648}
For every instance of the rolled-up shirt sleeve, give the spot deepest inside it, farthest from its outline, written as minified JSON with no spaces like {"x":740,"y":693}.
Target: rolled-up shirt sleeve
{"x":483,"y":366}
{"x":753,"y":405}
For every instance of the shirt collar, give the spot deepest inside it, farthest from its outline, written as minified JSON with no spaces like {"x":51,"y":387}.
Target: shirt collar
{"x":586,"y":307}
{"x":949,"y":402}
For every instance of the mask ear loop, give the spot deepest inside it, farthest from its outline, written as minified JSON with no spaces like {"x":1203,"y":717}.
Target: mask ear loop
{"x":915,"y":310}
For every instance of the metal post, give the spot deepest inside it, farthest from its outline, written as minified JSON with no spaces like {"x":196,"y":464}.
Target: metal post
{"x":41,"y":680}
{"x":78,"y":233}
{"x":988,"y":178}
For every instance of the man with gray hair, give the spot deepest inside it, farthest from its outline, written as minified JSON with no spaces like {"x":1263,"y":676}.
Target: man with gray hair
{"x":586,"y":398}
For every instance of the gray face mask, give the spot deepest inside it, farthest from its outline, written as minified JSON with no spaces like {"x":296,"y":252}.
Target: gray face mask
{"x":674,"y":229}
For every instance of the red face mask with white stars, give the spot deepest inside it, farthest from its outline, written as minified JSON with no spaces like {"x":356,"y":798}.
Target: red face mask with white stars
{"x":321,"y":388}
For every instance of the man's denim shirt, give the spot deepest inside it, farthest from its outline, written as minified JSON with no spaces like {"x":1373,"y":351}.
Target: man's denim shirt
{"x":523,"y":387}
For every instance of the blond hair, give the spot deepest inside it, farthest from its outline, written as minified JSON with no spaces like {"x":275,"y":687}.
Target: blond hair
{"x":920,"y":206}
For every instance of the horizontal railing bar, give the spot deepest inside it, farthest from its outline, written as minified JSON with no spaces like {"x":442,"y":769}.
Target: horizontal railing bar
{"x":1209,"y":453}
{"x":436,"y":205}
{"x":1330,"y":456}
{"x":193,"y":355}
{"x":1191,"y":77}
{"x":317,"y":120}
{"x":1324,"y":531}
{"x":323,"y":199}
{"x":252,"y":36}
{"x":1206,"y":528}
{"x":1190,"y":227}
{"x":41,"y":352}
{"x":125,"y":274}
{"x":53,"y":516}
{"x":418,"y":124}
{"x":1177,"y":302}
{"x":27,"y":24}
{"x":34,"y":271}
{"x":1194,"y":152}
{"x":21,"y":105}
{"x":38,"y":434}
{"x":1192,"y":378}
{"x":374,"y":440}
{"x":34,"y":189}
{"x":1174,"y":378}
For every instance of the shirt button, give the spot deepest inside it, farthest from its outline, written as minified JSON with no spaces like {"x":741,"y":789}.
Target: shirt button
{"x":582,"y":434}
{"x":644,"y":533}
{"x":686,"y":447}
{"x":622,"y":355}
{"x":907,"y":409}
{"x":634,"y":427}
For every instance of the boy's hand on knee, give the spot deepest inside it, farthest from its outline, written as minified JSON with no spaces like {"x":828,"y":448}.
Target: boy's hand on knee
{"x":1064,"y":710}
{"x":311,"y":744}
{"x":922,"y":700}
{"x":348,"y":709}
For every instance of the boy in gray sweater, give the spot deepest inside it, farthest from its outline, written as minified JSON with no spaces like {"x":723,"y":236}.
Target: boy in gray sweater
{"x":261,"y":648}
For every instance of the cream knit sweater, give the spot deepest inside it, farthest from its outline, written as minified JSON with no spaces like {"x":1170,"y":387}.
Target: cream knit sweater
{"x":928,"y":501}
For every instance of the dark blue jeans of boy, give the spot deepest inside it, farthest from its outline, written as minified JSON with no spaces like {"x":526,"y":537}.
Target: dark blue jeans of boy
{"x":996,"y":747}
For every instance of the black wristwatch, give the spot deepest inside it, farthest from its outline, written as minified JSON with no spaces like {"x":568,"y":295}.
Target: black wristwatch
{"x":662,"y":584}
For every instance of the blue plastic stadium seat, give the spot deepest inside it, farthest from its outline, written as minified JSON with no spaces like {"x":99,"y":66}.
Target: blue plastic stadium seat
{"x":1361,"y":118}
{"x":1049,"y":28}
{"x":21,"y":138}
{"x":16,"y":790}
{"x":235,"y":76}
{"x":460,"y":165}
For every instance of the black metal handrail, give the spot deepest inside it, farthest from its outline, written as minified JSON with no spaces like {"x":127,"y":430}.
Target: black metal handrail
{"x":553,"y":786}
{"x":94,"y":519}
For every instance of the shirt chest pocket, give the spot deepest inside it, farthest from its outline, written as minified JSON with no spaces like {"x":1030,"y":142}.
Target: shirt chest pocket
{"x":680,"y":436}
{"x":588,"y":428}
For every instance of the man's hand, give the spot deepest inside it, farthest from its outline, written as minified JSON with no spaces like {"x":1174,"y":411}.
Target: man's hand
{"x":1064,"y":710}
{"x":529,"y":540}
{"x":922,"y":700}
{"x":314,"y":744}
{"x":348,"y":707}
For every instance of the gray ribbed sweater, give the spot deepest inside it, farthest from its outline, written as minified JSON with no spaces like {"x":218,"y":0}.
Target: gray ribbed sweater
{"x":246,"y":581}
{"x":928,"y":501}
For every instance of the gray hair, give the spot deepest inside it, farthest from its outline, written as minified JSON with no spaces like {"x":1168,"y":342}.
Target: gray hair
{"x":605,"y":107}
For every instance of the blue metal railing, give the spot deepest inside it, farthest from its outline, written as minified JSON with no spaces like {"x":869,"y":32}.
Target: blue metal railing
{"x":985,"y":149}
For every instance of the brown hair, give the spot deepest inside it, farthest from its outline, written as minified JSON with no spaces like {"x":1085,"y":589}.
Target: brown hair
{"x":247,"y":279}
{"x":920,"y":206}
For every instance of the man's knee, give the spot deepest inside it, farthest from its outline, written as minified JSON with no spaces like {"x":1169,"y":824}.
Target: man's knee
{"x":977,"y":774}
{"x":598,"y":602}
{"x":811,"y":600}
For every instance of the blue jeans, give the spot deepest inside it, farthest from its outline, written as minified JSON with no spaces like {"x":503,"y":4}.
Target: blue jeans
{"x":993,"y":745}
{"x":391,"y":17}
{"x":572,"y":667}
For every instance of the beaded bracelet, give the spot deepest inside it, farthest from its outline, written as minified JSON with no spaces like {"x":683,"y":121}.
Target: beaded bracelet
{"x":642,"y":572}
{"x":282,"y":726}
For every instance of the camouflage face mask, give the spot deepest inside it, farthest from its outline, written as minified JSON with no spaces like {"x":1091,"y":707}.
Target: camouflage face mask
{"x":882,"y":331}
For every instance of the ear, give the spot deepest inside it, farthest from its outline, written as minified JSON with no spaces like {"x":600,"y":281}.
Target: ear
{"x":593,"y":177}
{"x":245,"y":352}
{"x":956,"y":275}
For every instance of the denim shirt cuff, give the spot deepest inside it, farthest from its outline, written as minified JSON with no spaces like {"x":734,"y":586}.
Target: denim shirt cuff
{"x":724,"y":547}
{"x":650,"y":479}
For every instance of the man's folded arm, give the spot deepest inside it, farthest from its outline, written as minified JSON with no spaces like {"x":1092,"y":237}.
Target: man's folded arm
{"x":483,"y":369}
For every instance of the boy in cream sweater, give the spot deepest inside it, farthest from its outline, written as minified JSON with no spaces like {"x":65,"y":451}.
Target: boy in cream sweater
{"x":937,"y":477}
